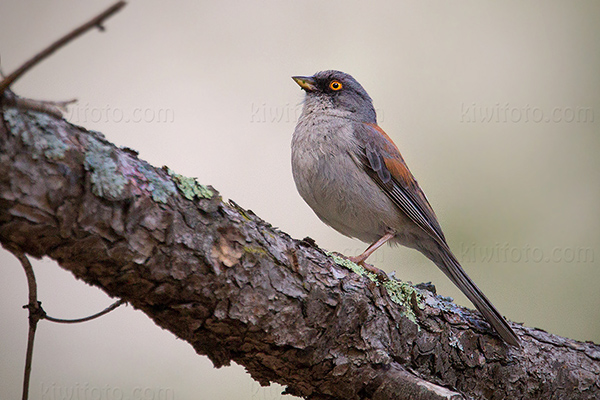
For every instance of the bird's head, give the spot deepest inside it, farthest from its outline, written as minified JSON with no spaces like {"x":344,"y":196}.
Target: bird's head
{"x":337,"y":93}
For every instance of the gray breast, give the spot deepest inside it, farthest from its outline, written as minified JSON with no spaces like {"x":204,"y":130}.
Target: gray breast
{"x":330,"y":179}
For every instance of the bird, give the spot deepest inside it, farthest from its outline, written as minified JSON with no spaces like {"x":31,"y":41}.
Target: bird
{"x":352,"y":175}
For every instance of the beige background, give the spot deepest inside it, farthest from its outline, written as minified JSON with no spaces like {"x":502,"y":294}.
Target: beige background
{"x":484,"y":99}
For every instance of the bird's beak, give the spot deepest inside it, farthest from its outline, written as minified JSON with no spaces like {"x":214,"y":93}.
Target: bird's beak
{"x":306,"y":82}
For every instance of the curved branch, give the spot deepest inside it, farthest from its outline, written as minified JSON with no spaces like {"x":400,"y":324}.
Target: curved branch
{"x":238,"y":289}
{"x":95,"y":22}
{"x":108,"y":309}
{"x":35,"y":314}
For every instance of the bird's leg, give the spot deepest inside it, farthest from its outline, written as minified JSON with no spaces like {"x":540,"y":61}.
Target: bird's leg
{"x":360,"y":260}
{"x":372,"y":248}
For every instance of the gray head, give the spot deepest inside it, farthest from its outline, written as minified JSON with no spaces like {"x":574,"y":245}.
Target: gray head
{"x":337,"y":93}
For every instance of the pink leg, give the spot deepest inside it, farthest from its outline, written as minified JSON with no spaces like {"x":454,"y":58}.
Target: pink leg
{"x":360,"y":260}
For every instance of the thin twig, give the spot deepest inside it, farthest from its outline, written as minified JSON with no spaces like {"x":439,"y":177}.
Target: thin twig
{"x":35,"y":314}
{"x":91,"y":317}
{"x":55,"y":108}
{"x":94,"y":22}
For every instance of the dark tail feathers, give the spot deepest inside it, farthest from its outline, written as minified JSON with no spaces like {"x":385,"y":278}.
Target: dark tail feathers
{"x":451,"y":267}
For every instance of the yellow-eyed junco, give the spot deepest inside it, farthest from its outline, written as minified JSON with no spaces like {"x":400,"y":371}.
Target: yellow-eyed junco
{"x":352,"y":175}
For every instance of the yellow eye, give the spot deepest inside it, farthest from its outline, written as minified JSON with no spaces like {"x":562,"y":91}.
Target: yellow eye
{"x":335,"y":85}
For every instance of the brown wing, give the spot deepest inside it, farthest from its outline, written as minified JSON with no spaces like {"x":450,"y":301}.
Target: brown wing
{"x":382,"y":160}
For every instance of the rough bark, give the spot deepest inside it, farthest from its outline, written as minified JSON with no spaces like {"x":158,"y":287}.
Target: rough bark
{"x":237,"y":289}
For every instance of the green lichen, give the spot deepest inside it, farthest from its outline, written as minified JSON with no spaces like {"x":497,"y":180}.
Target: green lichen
{"x":37,"y":131}
{"x":255,"y":250}
{"x":344,"y":262}
{"x":189,"y":187}
{"x":400,"y":292}
{"x":105,"y":177}
{"x":160,"y":188}
{"x":242,"y":211}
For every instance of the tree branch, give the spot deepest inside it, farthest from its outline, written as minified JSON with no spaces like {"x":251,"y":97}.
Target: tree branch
{"x":35,"y":314}
{"x":238,"y":289}
{"x":95,"y":22}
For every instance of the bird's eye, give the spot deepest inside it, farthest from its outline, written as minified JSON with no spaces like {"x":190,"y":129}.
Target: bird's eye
{"x":335,"y":85}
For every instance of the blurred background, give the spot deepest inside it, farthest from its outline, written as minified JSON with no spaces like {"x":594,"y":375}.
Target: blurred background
{"x":495,"y":107}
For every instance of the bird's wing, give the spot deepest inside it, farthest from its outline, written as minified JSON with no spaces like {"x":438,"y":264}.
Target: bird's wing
{"x":382,"y":160}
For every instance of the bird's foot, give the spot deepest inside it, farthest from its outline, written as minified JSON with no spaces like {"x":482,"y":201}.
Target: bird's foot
{"x":380,"y":274}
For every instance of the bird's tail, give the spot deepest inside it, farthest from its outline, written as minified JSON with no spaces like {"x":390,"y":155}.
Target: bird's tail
{"x":451,"y":267}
